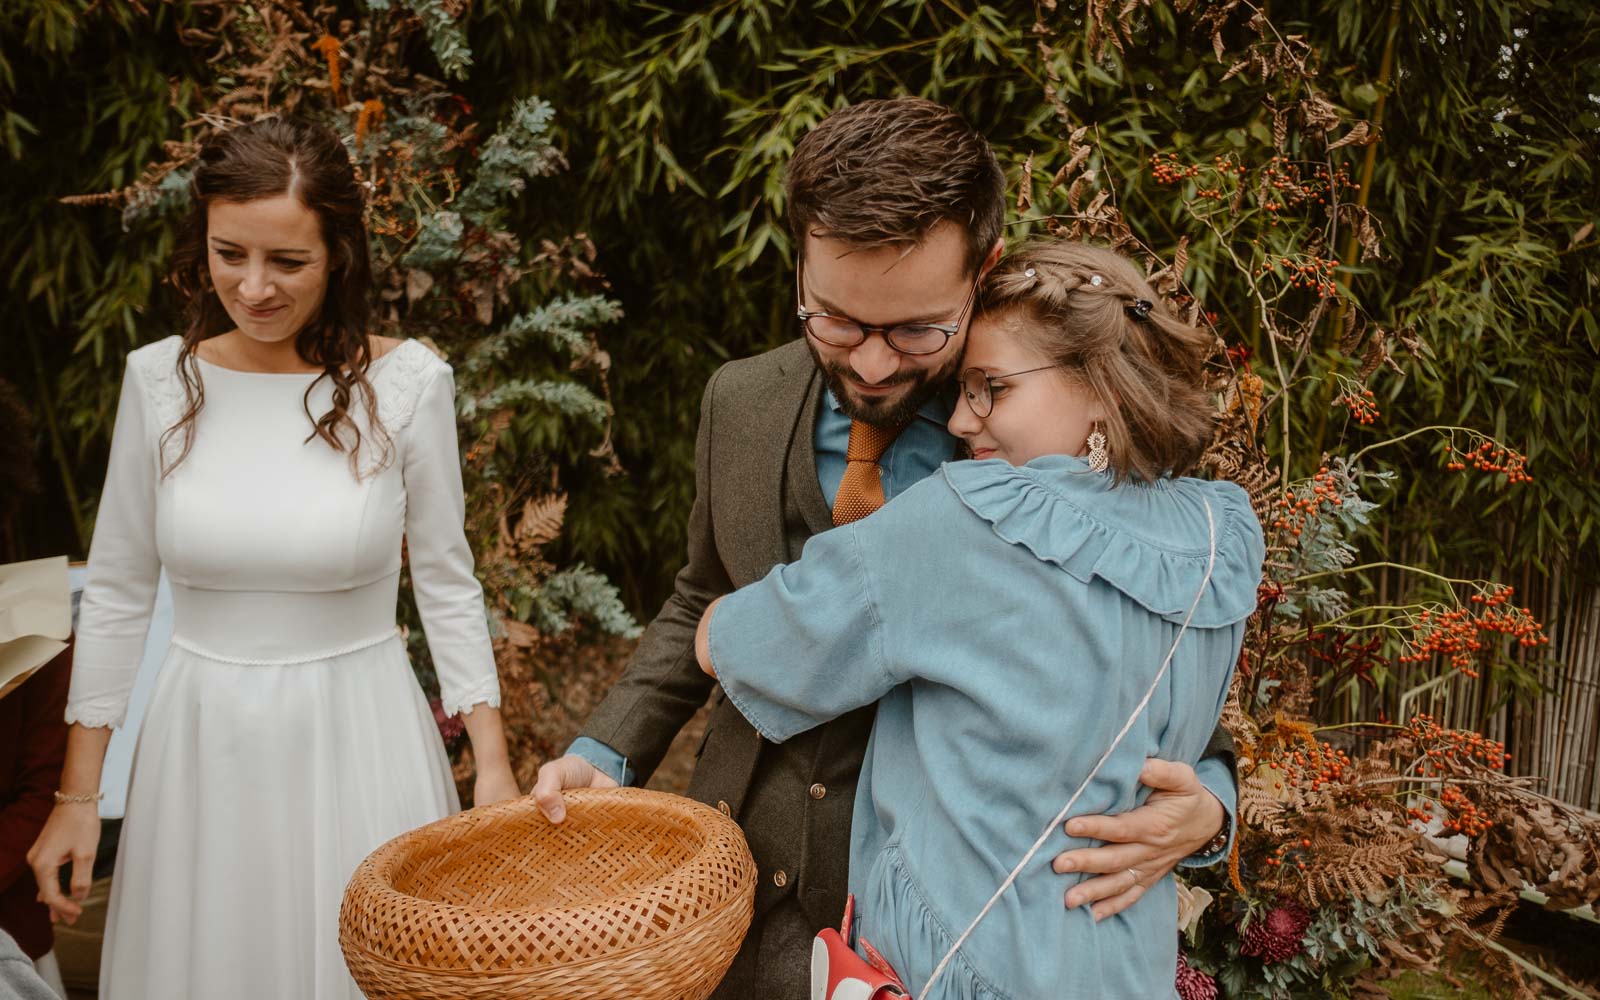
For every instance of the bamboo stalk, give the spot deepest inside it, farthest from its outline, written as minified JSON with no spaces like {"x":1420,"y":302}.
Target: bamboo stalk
{"x":1587,"y":707}
{"x":1369,"y":163}
{"x":1577,"y":661}
{"x":57,"y":448}
{"x":1562,"y":637}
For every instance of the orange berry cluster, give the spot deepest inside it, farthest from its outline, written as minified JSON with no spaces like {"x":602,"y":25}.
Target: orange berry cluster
{"x":1450,"y":750}
{"x":1283,"y":176}
{"x":1290,"y":852}
{"x":1462,"y":815}
{"x":1454,"y":752}
{"x":1460,"y":634}
{"x":1165,"y":169}
{"x":1491,"y":457}
{"x":1291,"y":512}
{"x":1310,"y":767}
{"x":1311,"y":272}
{"x":1362,"y":406}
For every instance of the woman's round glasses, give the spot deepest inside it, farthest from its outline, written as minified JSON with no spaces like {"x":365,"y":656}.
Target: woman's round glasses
{"x":907,"y":338}
{"x":978,"y":387}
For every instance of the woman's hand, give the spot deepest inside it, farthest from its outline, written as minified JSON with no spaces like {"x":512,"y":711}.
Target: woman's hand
{"x":493,"y":786}
{"x":495,"y":782}
{"x":71,"y":835}
{"x":1143,"y":844}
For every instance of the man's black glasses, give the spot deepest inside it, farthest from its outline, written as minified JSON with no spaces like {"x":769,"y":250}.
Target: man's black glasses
{"x":907,"y":338}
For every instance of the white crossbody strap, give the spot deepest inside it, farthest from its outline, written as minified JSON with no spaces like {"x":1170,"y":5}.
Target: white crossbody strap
{"x":1061,"y":817}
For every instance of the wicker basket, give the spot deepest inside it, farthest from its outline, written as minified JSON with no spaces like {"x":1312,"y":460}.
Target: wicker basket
{"x":638,"y":895}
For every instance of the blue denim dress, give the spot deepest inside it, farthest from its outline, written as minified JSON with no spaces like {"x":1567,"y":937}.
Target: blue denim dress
{"x":1007,"y":620}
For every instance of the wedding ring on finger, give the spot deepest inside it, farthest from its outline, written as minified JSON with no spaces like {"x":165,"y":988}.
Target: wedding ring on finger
{"x":1137,"y":875}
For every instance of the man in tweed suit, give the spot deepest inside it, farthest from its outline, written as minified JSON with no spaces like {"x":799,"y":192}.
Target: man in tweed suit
{"x":897,"y":207}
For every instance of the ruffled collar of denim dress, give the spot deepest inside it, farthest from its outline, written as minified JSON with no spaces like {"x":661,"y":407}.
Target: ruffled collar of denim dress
{"x":1149,"y":541}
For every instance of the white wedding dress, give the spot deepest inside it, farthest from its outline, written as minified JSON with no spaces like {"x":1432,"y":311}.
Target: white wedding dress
{"x":286,"y":737}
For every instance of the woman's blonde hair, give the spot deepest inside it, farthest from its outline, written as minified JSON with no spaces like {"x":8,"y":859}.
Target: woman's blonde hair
{"x":1090,"y":311}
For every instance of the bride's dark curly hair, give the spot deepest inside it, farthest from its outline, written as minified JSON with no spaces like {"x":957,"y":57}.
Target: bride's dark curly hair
{"x":265,"y":159}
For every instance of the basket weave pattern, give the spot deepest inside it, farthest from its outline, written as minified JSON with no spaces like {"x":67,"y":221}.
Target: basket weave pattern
{"x":638,"y":895}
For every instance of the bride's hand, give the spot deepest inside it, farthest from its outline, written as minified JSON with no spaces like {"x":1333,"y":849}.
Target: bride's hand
{"x":71,"y":834}
{"x":494,"y":786}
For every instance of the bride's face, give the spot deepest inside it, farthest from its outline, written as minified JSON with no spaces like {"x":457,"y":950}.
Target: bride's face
{"x":1028,"y":415}
{"x":268,"y":264}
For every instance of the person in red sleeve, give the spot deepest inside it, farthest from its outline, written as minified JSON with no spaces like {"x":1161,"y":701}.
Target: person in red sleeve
{"x":33,"y":743}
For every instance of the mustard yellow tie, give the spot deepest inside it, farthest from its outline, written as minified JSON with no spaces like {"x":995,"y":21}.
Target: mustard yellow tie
{"x":861,"y":489}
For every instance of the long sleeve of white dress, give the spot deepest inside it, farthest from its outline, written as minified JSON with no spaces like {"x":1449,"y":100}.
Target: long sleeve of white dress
{"x":123,"y":566}
{"x":449,"y":597}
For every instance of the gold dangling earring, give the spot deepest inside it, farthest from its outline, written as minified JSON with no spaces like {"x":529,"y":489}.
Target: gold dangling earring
{"x":1099,"y":458}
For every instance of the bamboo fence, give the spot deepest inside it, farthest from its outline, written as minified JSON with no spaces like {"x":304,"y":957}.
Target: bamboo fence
{"x":1552,"y":733}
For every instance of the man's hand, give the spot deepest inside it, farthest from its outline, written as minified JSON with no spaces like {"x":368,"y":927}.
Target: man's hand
{"x":570,"y":771}
{"x":1143,"y":844}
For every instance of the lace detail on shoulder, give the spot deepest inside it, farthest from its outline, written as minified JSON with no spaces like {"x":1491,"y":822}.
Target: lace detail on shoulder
{"x":157,"y":365}
{"x":399,"y":379}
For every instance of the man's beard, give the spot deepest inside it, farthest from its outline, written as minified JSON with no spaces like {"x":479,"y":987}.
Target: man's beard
{"x":886,"y":412}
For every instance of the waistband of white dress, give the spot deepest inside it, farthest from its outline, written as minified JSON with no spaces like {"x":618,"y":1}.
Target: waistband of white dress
{"x":282,"y":627}
{"x":183,"y":642}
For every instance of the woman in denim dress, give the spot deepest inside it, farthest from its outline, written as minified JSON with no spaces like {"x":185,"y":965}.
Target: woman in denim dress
{"x":1008,"y":615}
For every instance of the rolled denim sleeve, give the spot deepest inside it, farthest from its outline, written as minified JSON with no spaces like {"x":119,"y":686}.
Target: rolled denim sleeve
{"x":610,"y":763}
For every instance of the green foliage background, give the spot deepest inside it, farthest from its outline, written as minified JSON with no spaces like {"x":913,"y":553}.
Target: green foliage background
{"x":677,"y":118}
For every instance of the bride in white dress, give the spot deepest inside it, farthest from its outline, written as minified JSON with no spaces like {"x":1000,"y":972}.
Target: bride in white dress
{"x":272,"y":459}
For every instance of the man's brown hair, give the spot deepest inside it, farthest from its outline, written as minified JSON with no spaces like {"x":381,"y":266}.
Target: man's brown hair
{"x":883,"y":173}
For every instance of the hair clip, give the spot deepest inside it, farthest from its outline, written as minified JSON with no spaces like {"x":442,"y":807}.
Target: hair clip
{"x":1096,"y":280}
{"x":1141,"y":308}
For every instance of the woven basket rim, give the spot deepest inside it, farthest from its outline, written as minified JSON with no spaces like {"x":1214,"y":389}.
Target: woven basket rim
{"x":375,"y":889}
{"x":608,"y":957}
{"x":387,"y":852}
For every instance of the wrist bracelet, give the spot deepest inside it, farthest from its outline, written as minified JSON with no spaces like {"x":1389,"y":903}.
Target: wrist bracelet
{"x":63,"y":799}
{"x":1216,"y":844}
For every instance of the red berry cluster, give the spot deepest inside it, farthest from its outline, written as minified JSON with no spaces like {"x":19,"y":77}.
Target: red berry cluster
{"x":1165,"y":169}
{"x":1454,"y":751}
{"x":1456,"y":812}
{"x":1314,"y":767}
{"x":1283,"y":176}
{"x":1291,"y":512}
{"x":1491,"y":457}
{"x":1290,"y":852}
{"x":1310,"y":271}
{"x":1362,"y":405}
{"x":1462,"y":633}
{"x":1462,"y":815}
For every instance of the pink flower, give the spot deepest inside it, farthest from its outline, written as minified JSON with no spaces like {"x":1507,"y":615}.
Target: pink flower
{"x":1280,"y":935}
{"x":1194,"y":984}
{"x":450,"y":726}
